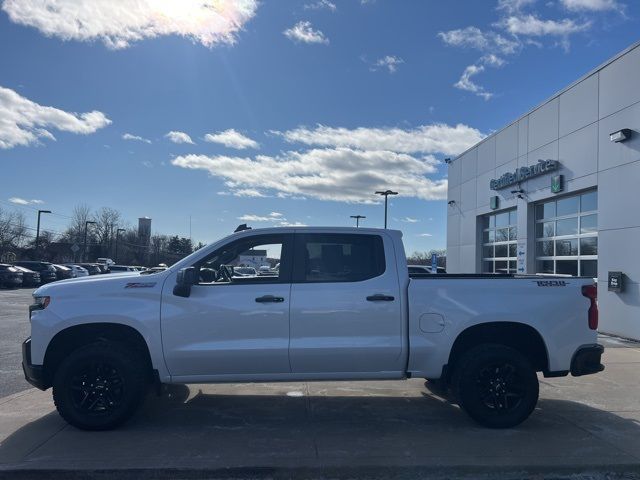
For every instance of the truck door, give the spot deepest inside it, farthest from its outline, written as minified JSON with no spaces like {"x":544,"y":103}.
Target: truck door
{"x":345,"y":305}
{"x":232,"y":323}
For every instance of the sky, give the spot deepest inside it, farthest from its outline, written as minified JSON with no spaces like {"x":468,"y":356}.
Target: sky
{"x":205,"y":114}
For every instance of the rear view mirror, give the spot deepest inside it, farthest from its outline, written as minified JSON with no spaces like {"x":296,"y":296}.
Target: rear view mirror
{"x":186,"y":277}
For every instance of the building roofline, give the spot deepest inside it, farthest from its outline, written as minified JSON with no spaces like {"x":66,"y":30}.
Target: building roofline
{"x":597,"y":69}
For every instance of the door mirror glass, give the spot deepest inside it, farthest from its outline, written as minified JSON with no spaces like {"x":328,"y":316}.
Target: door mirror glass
{"x":185,"y":279}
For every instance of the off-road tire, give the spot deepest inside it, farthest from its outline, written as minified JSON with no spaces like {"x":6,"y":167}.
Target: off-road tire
{"x":110,"y":375}
{"x":483,"y":375}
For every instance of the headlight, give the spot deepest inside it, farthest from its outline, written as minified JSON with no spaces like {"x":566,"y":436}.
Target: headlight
{"x":39,"y":303}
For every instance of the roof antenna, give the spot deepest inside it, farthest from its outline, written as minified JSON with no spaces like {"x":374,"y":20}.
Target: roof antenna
{"x":242,"y":227}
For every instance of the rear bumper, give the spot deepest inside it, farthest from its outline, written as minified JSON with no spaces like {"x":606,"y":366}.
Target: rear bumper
{"x":34,"y":374}
{"x":586,"y":360}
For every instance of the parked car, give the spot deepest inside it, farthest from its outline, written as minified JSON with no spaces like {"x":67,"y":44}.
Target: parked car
{"x":45,"y":269}
{"x":342,"y":307}
{"x":265,"y":270}
{"x":92,"y":268}
{"x":121,"y":268}
{"x":63,"y":272}
{"x":105,"y":261}
{"x":423,"y":269}
{"x":140,"y":268}
{"x":103,"y":267}
{"x":155,"y":269}
{"x":29,"y":277}
{"x":10,"y":276}
{"x":245,"y":271}
{"x":77,"y":271}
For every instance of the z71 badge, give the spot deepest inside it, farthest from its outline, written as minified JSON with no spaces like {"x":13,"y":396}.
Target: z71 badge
{"x":140,"y":285}
{"x":551,"y":283}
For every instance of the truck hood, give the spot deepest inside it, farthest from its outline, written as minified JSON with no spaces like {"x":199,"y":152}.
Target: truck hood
{"x":112,"y":281}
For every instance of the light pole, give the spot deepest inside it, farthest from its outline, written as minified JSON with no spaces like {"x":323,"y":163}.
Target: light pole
{"x":117,"y":237}
{"x":38,"y":228}
{"x":357,"y":217}
{"x":386,"y":194}
{"x":84,"y":248}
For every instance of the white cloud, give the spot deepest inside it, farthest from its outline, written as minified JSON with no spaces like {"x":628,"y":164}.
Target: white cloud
{"x":272,"y":217}
{"x":514,"y":6}
{"x":390,"y":62}
{"x":118,"y":23}
{"x":590,"y":5}
{"x":409,"y":220}
{"x":434,"y":138}
{"x":128,"y":136}
{"x":292,"y":224}
{"x":465,"y":82}
{"x":530,"y":25}
{"x":232,"y":139}
{"x":179,"y":137}
{"x":486,"y":42}
{"x":321,"y":5}
{"x":304,"y":32}
{"x":22,"y":201}
{"x":24,"y":122}
{"x":338,"y":174}
{"x":425,"y":235}
{"x":248,"y":192}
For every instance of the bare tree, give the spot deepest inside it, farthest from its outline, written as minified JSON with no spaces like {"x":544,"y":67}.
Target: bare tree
{"x":75,"y":231}
{"x":13,"y":230}
{"x":107,"y":221}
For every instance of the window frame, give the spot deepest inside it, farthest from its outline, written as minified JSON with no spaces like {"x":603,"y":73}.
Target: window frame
{"x":301,"y":239}
{"x":489,"y":225}
{"x":578,"y":236}
{"x":286,"y":260}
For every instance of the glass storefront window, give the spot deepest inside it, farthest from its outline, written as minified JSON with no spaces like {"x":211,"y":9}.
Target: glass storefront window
{"x":499,"y":237}
{"x":567,"y":235}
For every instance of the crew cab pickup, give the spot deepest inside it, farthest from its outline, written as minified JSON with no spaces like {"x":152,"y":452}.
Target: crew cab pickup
{"x":341,"y":306}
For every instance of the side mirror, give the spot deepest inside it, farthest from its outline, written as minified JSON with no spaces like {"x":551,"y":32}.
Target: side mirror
{"x":186,"y":277}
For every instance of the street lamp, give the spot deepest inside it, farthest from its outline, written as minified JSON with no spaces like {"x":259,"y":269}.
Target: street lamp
{"x":357,"y":217}
{"x":38,"y":228}
{"x":117,"y":237}
{"x":386,"y":194}
{"x":84,"y":248}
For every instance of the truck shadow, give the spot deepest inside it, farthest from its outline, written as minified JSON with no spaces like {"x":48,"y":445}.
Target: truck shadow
{"x":186,"y":425}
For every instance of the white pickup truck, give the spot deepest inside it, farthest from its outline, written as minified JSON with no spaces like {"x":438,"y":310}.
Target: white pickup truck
{"x":341,"y":306}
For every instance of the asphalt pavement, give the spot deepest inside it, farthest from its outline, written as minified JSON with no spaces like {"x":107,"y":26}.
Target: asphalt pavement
{"x":14,"y":328}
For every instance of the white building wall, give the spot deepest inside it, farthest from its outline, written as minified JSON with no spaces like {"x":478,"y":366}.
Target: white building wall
{"x":572,"y":127}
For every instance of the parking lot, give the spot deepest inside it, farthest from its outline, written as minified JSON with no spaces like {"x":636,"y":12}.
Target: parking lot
{"x":14,"y":328}
{"x":379,"y":429}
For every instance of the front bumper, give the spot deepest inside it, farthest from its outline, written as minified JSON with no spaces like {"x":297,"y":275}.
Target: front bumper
{"x":34,"y":374}
{"x":586,"y":360}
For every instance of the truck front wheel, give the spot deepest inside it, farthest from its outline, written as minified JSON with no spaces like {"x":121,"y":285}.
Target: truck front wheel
{"x":100,"y":385}
{"x":496,"y":385}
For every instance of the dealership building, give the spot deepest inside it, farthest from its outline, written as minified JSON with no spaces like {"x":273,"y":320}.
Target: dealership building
{"x":557,"y":191}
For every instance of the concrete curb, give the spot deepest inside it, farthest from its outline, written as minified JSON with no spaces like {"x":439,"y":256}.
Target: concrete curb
{"x":537,"y":472}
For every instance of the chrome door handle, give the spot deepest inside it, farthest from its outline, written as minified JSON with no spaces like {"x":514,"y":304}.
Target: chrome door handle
{"x":269,"y":299}
{"x":378,"y":297}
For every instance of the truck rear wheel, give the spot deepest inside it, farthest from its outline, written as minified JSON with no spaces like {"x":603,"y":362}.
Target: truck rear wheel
{"x":99,"y":386}
{"x":496,"y":385}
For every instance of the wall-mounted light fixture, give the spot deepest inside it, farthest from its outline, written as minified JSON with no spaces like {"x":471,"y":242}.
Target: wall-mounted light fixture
{"x":451,"y":203}
{"x":620,"y":135}
{"x":519,"y":193}
{"x":447,"y":161}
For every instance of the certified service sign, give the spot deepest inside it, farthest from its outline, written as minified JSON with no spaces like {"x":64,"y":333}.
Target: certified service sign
{"x":524,"y":173}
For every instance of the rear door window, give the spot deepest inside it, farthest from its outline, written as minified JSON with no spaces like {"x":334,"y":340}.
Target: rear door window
{"x":338,"y":257}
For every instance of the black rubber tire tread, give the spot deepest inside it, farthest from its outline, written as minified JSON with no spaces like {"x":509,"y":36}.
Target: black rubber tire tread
{"x":465,"y":390}
{"x":131,"y":365}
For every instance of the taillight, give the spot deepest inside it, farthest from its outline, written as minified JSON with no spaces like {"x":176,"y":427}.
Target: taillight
{"x":591,"y":292}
